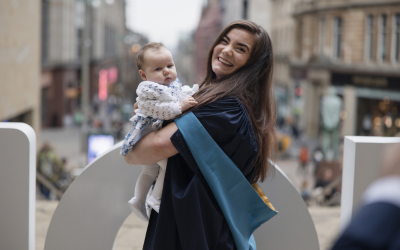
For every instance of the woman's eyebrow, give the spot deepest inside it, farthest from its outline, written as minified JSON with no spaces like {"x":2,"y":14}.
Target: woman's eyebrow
{"x":244,"y":45}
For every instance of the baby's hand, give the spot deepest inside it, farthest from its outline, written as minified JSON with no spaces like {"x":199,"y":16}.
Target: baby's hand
{"x":188,"y":102}
{"x":135,"y":106}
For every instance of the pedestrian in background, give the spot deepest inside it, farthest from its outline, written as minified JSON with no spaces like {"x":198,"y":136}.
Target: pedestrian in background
{"x":53,"y":169}
{"x":303,"y":159}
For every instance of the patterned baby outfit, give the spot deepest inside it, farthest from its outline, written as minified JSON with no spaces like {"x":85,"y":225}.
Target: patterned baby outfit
{"x":156,"y":103}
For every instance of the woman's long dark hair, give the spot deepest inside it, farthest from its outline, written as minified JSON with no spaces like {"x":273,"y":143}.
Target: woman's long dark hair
{"x":252,"y":84}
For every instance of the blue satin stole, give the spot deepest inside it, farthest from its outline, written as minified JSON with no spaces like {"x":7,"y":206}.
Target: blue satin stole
{"x":244,"y":206}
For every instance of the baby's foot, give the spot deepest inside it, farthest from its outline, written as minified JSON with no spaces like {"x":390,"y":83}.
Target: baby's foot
{"x":139,"y":209}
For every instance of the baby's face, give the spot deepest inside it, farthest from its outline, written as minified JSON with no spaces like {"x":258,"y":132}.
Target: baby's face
{"x":159,"y":67}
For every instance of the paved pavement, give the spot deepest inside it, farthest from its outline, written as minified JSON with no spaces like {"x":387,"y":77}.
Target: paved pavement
{"x":132,"y":232}
{"x":66,"y":142}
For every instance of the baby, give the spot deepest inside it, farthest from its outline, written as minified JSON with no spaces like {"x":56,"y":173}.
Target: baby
{"x":160,"y":97}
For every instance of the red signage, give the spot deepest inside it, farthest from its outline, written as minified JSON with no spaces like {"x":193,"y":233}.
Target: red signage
{"x":103,"y":81}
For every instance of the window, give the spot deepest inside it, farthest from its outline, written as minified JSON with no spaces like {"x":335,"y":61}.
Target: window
{"x":322,"y":35}
{"x":109,"y":46}
{"x":79,"y":23}
{"x":299,"y":38}
{"x":45,"y":31}
{"x":382,"y":39}
{"x":337,"y":37}
{"x":245,"y":9}
{"x":369,"y":38}
{"x":396,"y":40}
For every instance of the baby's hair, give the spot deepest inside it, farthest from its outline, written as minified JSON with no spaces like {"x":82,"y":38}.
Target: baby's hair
{"x":142,"y":51}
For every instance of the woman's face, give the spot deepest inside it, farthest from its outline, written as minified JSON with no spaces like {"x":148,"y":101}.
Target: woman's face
{"x":232,"y":52}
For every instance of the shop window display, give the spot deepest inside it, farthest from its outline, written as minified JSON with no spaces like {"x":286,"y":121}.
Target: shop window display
{"x":378,"y":117}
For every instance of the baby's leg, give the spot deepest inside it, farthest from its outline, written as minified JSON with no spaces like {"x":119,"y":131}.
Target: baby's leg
{"x":145,"y":180}
{"x":143,"y":185}
{"x":154,"y":200}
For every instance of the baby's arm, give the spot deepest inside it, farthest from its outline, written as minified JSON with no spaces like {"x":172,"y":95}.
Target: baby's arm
{"x":186,"y":103}
{"x":158,"y":109}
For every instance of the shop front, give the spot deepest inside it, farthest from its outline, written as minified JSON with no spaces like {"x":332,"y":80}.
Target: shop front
{"x":377,"y":102}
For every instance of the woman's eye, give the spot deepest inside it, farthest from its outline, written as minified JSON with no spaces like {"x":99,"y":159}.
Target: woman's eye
{"x":224,"y":41}
{"x":242,"y":50}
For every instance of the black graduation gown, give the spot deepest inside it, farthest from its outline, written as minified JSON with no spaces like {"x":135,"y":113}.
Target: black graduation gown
{"x":190,"y":217}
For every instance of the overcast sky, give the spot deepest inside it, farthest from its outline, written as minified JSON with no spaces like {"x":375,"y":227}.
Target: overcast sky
{"x":163,"y":20}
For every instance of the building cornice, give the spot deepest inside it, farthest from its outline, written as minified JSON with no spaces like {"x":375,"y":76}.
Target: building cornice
{"x":57,"y":66}
{"x":316,"y":6}
{"x":384,"y":70}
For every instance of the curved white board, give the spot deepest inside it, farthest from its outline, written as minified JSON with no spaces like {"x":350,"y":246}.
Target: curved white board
{"x":293,"y":227}
{"x":94,"y":207}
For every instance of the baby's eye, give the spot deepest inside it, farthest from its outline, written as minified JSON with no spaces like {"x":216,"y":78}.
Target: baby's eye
{"x":170,"y":66}
{"x":158,"y":69}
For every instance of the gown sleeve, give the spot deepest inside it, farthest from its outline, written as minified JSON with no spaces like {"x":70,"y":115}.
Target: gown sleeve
{"x":190,"y":217}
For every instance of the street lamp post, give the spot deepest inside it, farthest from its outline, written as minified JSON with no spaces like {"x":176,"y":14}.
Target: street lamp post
{"x":85,"y":43}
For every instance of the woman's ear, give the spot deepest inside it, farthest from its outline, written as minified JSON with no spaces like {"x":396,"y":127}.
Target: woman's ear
{"x":142,"y":75}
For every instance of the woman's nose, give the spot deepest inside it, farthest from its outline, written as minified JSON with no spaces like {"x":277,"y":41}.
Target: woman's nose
{"x":227,"y":51}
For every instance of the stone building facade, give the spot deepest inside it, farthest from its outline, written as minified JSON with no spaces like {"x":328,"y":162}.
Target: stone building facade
{"x":353,"y":46}
{"x":282,"y":30}
{"x":20,"y":62}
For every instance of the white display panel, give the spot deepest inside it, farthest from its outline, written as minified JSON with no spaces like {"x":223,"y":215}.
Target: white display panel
{"x":17,"y":186}
{"x":361,"y":164}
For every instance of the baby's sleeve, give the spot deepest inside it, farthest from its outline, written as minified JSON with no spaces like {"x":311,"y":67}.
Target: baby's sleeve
{"x":150,"y":90}
{"x":163,"y":110}
{"x":190,"y":91}
{"x":155,"y":100}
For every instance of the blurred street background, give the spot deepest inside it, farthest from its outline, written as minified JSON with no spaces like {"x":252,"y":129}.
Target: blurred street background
{"x":67,"y":68}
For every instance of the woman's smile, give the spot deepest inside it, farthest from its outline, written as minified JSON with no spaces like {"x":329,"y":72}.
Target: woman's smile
{"x":224,"y":62}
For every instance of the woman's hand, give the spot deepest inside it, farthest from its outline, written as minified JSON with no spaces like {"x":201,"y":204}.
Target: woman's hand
{"x":153,"y":147}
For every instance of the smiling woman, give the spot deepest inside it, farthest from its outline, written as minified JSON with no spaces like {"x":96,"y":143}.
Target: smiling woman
{"x":240,"y":64}
{"x":236,"y":108}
